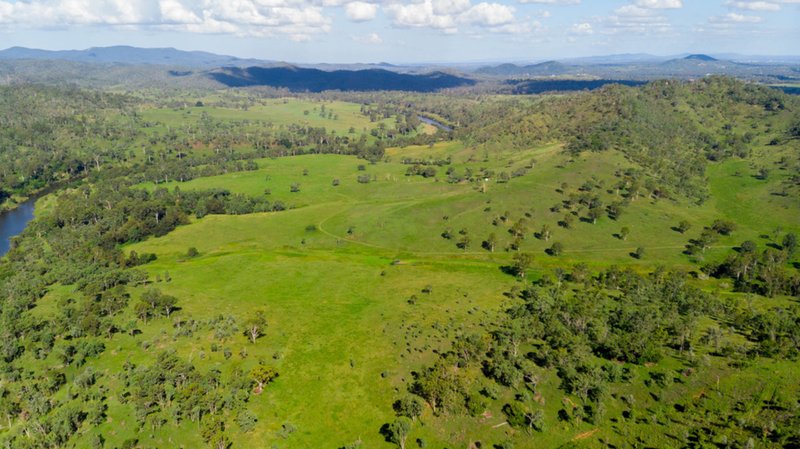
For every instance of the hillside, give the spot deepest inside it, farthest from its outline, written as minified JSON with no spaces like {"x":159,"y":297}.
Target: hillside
{"x":313,"y":80}
{"x":547,"y":68}
{"x":130,"y":55}
{"x":230,"y":270}
{"x":644,"y":68}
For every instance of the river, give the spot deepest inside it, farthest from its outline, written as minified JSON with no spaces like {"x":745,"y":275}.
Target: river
{"x":13,"y":222}
{"x":433,"y":122}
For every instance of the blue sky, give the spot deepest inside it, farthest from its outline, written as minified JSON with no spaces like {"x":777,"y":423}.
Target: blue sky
{"x":402,"y":31}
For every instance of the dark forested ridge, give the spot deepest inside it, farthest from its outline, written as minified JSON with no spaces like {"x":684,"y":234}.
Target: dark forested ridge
{"x":533,"y":87}
{"x":313,"y":80}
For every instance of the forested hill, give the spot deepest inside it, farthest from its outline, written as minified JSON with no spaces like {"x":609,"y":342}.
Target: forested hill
{"x":672,"y":128}
{"x":50,"y":134}
{"x":313,"y":80}
{"x":535,"y":278}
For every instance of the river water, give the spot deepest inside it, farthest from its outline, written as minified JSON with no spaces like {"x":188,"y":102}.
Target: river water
{"x":433,"y":122}
{"x":13,"y":222}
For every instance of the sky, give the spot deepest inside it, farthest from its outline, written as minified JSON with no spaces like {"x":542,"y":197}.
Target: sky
{"x":409,"y":31}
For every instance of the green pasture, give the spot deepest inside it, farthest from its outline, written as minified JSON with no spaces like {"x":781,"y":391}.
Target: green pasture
{"x":408,"y":214}
{"x":335,"y":275}
{"x":279,"y":112}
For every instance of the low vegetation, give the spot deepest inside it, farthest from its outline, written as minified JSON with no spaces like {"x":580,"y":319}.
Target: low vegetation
{"x":228,"y":269}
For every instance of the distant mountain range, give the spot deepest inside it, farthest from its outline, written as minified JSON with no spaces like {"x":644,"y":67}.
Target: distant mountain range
{"x":641,"y":67}
{"x":547,"y":68}
{"x":132,"y":55}
{"x":122,"y":54}
{"x":131,"y":67}
{"x":705,"y":58}
{"x":314,"y":80}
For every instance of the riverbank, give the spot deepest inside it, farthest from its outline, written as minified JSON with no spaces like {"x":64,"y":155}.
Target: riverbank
{"x":14,"y":221}
{"x":18,"y":211}
{"x":434,"y":122}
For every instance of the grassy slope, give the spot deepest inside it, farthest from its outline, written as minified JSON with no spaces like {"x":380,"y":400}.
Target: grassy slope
{"x":279,"y":112}
{"x":338,"y":310}
{"x":380,"y":212}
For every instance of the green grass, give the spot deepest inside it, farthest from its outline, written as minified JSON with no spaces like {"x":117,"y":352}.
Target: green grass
{"x":382,"y":212}
{"x":341,"y":331}
{"x":326,"y":308}
{"x":279,"y":112}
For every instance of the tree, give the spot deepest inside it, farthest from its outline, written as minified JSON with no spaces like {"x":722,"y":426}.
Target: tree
{"x":518,"y":415}
{"x":491,"y":242}
{"x":213,"y":432}
{"x":246,"y":420}
{"x":639,"y":253}
{"x":614,"y":210}
{"x":441,"y":386}
{"x":295,"y":187}
{"x":706,"y":239}
{"x":748,"y":246}
{"x":397,"y":432}
{"x":555,"y":249}
{"x":522,"y":261}
{"x":623,"y":233}
{"x":545,"y":233}
{"x":683,"y":226}
{"x":520,"y":228}
{"x":464,"y":242}
{"x":568,"y":221}
{"x":262,"y":375}
{"x":408,"y":406}
{"x":595,"y":213}
{"x":155,"y":301}
{"x":789,"y":244}
{"x":167,"y":304}
{"x":254,"y":326}
{"x":723,"y":227}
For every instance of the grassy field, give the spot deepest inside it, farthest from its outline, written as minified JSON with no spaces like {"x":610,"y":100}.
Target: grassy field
{"x":380,"y":213}
{"x":335,"y":275}
{"x":278,"y":112}
{"x":380,"y":267}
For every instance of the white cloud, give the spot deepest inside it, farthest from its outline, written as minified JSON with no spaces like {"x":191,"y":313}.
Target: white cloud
{"x":444,"y":7}
{"x":581,"y":28}
{"x":733,"y":24}
{"x":734,"y":18}
{"x":660,"y":4}
{"x":448,"y":15}
{"x":637,"y":19}
{"x":173,"y":12}
{"x":552,"y":2}
{"x":360,"y":11}
{"x":420,"y":15}
{"x":754,"y":5}
{"x":296,"y":19}
{"x":489,"y":14}
{"x":371,"y":38}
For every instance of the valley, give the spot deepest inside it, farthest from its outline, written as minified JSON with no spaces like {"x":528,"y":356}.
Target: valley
{"x":232,"y":269}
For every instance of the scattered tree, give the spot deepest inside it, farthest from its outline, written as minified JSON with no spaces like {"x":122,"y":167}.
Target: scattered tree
{"x":255,"y":325}
{"x":522,"y":261}
{"x":397,"y":432}
{"x":262,"y":375}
